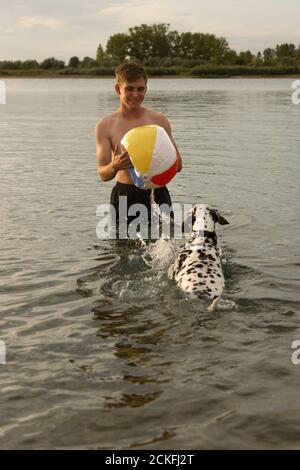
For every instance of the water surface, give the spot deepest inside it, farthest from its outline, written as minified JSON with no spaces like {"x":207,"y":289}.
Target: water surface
{"x":103,"y":351}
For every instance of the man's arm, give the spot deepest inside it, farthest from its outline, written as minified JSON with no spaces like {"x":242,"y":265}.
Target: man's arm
{"x":167,"y":126}
{"x":108,"y":164}
{"x":105,"y":168}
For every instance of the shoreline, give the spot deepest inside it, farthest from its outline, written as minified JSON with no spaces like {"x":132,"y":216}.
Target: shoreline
{"x":207,"y":71}
{"x":164,"y":77}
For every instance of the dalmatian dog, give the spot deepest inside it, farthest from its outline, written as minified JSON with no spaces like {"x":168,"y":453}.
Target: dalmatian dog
{"x":197,"y":269}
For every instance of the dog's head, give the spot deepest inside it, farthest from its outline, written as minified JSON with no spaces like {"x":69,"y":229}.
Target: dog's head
{"x":203,"y":218}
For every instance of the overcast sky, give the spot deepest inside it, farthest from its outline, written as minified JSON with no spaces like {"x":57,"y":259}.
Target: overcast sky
{"x":62,"y":28}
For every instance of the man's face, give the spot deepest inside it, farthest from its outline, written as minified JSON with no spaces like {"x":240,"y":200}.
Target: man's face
{"x":132,"y":94}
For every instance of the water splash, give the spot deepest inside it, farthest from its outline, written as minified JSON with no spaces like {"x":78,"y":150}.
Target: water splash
{"x":225,"y":304}
{"x":162,"y":253}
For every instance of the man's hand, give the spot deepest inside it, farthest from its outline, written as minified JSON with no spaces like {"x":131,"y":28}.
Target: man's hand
{"x":120,"y":160}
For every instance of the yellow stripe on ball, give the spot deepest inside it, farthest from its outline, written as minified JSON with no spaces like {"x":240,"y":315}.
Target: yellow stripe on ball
{"x":139,"y":143}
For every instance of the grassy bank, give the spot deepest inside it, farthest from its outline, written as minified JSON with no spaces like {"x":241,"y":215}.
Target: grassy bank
{"x":205,"y":71}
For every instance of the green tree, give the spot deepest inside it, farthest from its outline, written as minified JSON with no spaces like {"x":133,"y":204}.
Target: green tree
{"x":74,"y":62}
{"x":286,"y":53}
{"x":117,"y":48}
{"x":161,"y":46}
{"x":140,"y":42}
{"x":52,"y":63}
{"x":100,"y":56}
{"x":220,"y":49}
{"x":11,"y":65}
{"x":269,"y":56}
{"x":199,"y":47}
{"x":245,"y":58}
{"x":88,"y":63}
{"x":230,"y":57}
{"x":258,"y":59}
{"x":186,"y":45}
{"x":30,"y":64}
{"x":155,"y":45}
{"x":204,"y":48}
{"x":174,"y":43}
{"x":298,"y":54}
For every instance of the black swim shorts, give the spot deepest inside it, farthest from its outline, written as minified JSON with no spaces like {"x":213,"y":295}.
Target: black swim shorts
{"x":136,"y":195}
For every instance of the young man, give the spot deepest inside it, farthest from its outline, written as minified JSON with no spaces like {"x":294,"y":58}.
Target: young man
{"x":131,"y":87}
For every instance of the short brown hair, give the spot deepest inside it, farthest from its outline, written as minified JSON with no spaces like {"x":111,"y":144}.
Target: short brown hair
{"x":130,"y":71}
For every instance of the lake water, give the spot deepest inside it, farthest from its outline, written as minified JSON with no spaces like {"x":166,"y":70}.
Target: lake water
{"x":102,"y":350}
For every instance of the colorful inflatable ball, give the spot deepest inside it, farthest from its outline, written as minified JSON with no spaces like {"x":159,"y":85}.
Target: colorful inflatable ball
{"x":153,"y":156}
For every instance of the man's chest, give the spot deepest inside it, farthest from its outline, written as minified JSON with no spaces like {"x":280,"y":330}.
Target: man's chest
{"x":118,"y":130}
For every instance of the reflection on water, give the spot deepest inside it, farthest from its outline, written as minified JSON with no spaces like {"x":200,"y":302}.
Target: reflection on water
{"x":103,"y":350}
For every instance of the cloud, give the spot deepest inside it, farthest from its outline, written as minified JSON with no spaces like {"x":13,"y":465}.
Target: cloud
{"x":136,"y":12}
{"x":32,"y":21}
{"x":70,"y":27}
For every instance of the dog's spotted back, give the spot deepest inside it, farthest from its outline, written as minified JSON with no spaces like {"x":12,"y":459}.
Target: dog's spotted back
{"x":197,"y":269}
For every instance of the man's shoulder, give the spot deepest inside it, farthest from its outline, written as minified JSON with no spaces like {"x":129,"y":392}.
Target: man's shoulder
{"x":155,"y":114}
{"x":105,"y":122}
{"x":157,"y":118}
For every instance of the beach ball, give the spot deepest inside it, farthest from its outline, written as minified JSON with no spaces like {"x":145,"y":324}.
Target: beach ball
{"x":153,"y":156}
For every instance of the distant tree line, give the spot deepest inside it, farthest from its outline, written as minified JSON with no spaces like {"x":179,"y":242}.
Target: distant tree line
{"x":157,"y":46}
{"x":48,"y":64}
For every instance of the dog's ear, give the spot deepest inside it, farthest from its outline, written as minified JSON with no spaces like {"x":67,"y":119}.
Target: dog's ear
{"x":217,"y":217}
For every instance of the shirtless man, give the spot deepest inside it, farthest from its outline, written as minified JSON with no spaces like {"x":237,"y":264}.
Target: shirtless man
{"x":131,"y":87}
